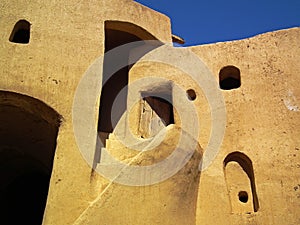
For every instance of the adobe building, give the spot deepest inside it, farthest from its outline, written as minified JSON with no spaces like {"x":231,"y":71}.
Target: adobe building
{"x":100,"y":126}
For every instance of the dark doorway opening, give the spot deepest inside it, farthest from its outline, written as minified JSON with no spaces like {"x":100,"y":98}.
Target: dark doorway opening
{"x":162,"y":108}
{"x":26,"y":196}
{"x":28,"y":132}
{"x":115,"y":83}
{"x":156,"y":113}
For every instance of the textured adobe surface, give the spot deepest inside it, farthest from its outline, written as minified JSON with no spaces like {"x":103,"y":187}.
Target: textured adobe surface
{"x":254,"y":179}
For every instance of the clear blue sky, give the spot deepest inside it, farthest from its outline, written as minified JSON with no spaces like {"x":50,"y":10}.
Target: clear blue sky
{"x":210,"y":21}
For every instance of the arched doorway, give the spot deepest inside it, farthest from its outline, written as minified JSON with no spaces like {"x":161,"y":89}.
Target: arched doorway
{"x":28,"y":133}
{"x":117,"y":34}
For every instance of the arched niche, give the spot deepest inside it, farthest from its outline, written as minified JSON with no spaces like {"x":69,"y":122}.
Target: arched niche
{"x":240,"y":182}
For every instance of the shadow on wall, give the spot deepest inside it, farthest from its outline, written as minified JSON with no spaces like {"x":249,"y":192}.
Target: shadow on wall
{"x":240,"y":182}
{"x":28,"y":135}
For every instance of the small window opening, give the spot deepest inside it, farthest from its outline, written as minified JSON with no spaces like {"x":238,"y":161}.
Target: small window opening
{"x":243,"y":196}
{"x":191,"y":94}
{"x":21,"y":32}
{"x":229,"y":78}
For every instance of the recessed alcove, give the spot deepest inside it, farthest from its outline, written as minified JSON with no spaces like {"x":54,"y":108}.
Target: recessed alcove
{"x":21,"y":32}
{"x":229,"y":78}
{"x":240,"y":181}
{"x":156,"y":113}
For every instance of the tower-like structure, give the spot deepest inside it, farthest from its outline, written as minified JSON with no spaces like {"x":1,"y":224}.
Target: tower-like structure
{"x":103,"y":121}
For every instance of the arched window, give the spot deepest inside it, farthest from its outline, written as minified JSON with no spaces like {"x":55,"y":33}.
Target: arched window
{"x":21,"y":32}
{"x":240,"y":181}
{"x":229,"y":78}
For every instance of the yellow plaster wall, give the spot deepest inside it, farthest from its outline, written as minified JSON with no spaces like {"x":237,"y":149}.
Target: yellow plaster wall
{"x":67,"y":37}
{"x":262,"y":122}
